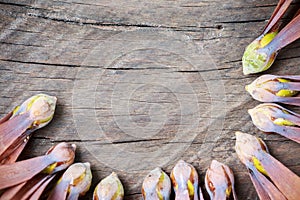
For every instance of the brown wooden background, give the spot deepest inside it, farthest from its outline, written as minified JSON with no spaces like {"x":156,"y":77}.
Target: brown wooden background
{"x":43,"y":45}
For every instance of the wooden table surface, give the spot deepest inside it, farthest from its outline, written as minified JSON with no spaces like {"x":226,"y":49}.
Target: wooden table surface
{"x":141,"y":84}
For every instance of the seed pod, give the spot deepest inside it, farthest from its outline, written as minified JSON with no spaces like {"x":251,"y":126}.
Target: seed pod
{"x":185,"y":182}
{"x":270,"y":88}
{"x":219,"y":181}
{"x":261,"y":53}
{"x":40,"y":107}
{"x":156,"y":186}
{"x":17,"y":127}
{"x":270,"y":117}
{"x":110,"y":188}
{"x":255,"y":61}
{"x":56,"y":159}
{"x":75,"y":182}
{"x":272,"y":180}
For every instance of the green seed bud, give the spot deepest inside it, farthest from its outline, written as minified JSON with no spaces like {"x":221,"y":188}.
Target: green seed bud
{"x":255,"y":61}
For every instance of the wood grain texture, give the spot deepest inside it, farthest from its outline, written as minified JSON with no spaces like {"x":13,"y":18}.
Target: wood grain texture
{"x":51,"y":47}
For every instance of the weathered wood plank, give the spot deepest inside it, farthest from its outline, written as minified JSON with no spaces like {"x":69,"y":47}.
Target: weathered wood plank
{"x":52,"y":47}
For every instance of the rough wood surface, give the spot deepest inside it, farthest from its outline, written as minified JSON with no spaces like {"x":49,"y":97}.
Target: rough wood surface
{"x":129,"y":81}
